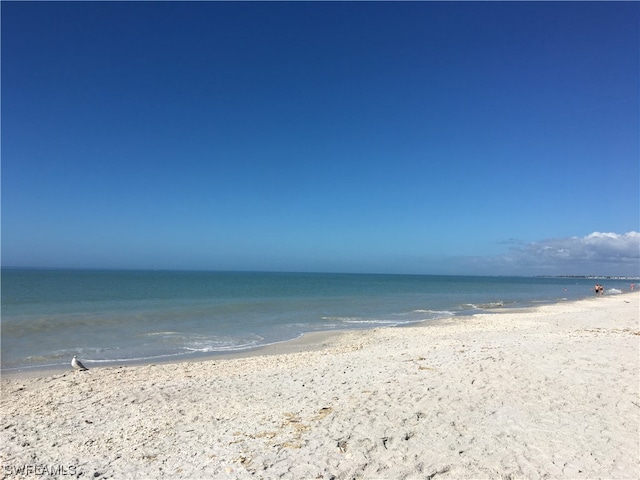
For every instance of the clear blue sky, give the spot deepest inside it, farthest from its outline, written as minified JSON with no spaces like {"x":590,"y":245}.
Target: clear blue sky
{"x":419,"y":137}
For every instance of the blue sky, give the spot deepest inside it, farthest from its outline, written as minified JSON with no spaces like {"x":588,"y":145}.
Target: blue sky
{"x":419,"y":137}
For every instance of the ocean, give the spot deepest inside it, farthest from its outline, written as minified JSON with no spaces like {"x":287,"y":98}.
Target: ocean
{"x":120,"y":317}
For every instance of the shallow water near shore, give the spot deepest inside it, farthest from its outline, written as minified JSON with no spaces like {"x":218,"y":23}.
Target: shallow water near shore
{"x":109,"y":317}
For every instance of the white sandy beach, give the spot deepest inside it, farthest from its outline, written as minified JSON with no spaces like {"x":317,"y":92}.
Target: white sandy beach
{"x":551,"y":392}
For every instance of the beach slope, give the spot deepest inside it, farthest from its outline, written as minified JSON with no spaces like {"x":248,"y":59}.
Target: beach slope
{"x":548,"y":392}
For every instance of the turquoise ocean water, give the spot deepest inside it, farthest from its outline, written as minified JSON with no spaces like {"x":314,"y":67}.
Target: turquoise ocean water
{"x":115,"y":317}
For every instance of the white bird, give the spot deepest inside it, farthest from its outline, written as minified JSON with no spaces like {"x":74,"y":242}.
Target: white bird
{"x":77,"y":364}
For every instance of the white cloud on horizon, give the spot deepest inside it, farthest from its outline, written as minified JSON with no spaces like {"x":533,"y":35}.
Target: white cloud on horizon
{"x":599,"y":253}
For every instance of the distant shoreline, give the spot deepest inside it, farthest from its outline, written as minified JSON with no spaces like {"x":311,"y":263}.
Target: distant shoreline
{"x":286,"y":272}
{"x":591,"y":277}
{"x":304,"y":272}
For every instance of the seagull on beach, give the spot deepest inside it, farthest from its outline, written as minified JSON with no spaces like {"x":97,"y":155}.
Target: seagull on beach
{"x":77,"y":364}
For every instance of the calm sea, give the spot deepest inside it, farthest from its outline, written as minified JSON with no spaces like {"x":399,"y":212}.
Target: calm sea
{"x":108,"y":317}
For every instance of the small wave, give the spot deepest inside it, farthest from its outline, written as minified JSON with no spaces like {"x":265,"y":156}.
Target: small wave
{"x":613,"y":291}
{"x":90,"y":361}
{"x":341,"y":319}
{"x":490,"y":305}
{"x":205,"y":343}
{"x":438,"y":313}
{"x":371,"y":322}
{"x":31,"y":367}
{"x":155,"y":334}
{"x":218,"y":346}
{"x":469,"y":306}
{"x":482,"y":306}
{"x":421,"y":311}
{"x":166,"y":345}
{"x":338,"y":323}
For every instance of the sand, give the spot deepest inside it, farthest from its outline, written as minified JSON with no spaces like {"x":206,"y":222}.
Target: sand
{"x":550,"y":392}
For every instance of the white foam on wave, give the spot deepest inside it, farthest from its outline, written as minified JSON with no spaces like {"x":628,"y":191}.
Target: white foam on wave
{"x":371,"y":322}
{"x":482,"y":306}
{"x":339,"y":319}
{"x":221,"y":348}
{"x":90,"y":361}
{"x":155,"y":334}
{"x":439,"y":313}
{"x":208,"y":343}
{"x":392,"y":320}
{"x":337,"y":322}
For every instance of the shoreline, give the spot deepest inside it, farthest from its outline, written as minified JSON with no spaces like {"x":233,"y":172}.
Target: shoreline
{"x":308,"y":341}
{"x":552,"y":391}
{"x":205,"y":324}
